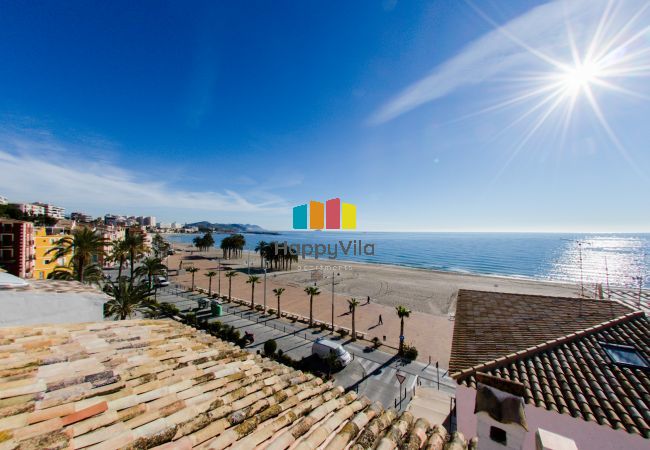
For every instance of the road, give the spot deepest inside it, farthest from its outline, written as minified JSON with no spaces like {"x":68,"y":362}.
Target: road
{"x":372,"y":372}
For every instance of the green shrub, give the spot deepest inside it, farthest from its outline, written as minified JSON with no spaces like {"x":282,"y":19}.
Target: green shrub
{"x":343,"y":332}
{"x":215,"y":327}
{"x":323,"y":327}
{"x":190,"y":318}
{"x":376,"y":342}
{"x":168,"y":309}
{"x":269,"y":347}
{"x":271,"y":311}
{"x":410,"y":352}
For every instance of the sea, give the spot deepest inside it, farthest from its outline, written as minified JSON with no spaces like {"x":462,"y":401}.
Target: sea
{"x":618,"y":259}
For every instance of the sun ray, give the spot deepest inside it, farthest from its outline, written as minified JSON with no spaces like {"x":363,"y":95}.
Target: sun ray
{"x":608,"y":130}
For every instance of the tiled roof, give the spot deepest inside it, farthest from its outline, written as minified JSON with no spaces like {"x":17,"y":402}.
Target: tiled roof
{"x":160,"y":384}
{"x":573,"y":375}
{"x":489,"y":325}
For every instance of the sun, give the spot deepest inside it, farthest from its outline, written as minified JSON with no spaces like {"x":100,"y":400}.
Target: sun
{"x":579,"y":77}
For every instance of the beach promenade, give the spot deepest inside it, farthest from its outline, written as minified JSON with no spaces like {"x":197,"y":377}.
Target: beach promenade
{"x":430,"y":295}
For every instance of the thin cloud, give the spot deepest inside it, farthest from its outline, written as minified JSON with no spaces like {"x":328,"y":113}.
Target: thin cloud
{"x":497,"y":52}
{"x":46,"y":170}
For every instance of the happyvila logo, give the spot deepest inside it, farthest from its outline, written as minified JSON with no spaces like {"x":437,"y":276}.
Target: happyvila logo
{"x":331,"y":215}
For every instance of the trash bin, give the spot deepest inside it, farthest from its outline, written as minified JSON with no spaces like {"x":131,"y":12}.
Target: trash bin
{"x":215,"y":309}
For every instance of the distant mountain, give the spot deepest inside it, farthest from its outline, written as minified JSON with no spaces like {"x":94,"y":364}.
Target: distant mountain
{"x":227,"y":227}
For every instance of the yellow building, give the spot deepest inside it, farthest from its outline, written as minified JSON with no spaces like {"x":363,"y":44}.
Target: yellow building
{"x":45,"y":238}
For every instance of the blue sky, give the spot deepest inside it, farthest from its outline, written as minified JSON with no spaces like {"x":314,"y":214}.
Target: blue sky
{"x":236,"y":111}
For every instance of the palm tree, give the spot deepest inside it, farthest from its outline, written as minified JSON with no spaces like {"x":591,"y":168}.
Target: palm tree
{"x":84,"y":245}
{"x":311,"y":291}
{"x":210,"y":274}
{"x":353,"y":302}
{"x":402,"y":312}
{"x":136,"y":248}
{"x":230,"y":274}
{"x":261,"y":248}
{"x":253,"y":280}
{"x":151,"y":267}
{"x":192,"y":270}
{"x":118,"y":254}
{"x":278,"y":293}
{"x":127,"y":299}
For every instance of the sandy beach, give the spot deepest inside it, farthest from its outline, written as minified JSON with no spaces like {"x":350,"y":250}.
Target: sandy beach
{"x":431,"y":295}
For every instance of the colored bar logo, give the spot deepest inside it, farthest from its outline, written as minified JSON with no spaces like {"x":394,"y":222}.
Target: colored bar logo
{"x":331,"y":215}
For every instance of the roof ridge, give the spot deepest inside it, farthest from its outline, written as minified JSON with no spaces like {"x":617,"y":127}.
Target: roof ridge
{"x":555,"y":297}
{"x":458,"y":376}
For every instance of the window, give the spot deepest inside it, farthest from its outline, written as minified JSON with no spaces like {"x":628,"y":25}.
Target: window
{"x":498,"y":435}
{"x":625,"y":355}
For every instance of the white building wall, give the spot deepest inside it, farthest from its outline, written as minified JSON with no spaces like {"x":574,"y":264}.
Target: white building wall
{"x":587,"y":435}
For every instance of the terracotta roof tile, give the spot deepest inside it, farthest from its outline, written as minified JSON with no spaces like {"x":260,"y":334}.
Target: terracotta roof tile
{"x":572,"y":374}
{"x":146,"y":383}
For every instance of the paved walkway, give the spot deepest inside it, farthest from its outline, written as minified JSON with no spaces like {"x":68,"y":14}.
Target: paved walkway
{"x":372,"y":373}
{"x":421,"y":329}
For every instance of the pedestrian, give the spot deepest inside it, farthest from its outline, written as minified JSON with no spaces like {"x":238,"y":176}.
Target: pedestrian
{"x":368,"y":300}
{"x":381,"y":321}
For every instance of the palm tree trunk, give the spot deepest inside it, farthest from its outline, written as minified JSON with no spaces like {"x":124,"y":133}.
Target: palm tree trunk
{"x":311,"y":308}
{"x":401,"y":333}
{"x":119,"y":270}
{"x":252,"y":295}
{"x":192,"y":281}
{"x":132,"y":268}
{"x":210,"y":287}
{"x":229,"y":288}
{"x":81,"y":269}
{"x":279,"y":313}
{"x":354,"y":328}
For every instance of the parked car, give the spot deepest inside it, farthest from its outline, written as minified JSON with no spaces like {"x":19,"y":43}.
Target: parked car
{"x":323,"y":348}
{"x":161,"y":282}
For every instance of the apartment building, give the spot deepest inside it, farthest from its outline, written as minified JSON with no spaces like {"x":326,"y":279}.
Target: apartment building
{"x":30,"y":208}
{"x":53,"y":211}
{"x":81,"y":217}
{"x":45,"y":239}
{"x":17,"y":252}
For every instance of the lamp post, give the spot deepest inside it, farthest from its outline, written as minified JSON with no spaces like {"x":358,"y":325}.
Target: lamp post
{"x":219,"y":288}
{"x":265,"y":290}
{"x":333,"y":276}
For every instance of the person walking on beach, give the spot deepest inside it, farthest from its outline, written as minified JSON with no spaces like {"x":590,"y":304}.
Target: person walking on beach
{"x":381,"y":321}
{"x":368,"y":301}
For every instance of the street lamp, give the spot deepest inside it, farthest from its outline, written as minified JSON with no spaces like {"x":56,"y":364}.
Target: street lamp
{"x":333,"y":277}
{"x":219,"y":259}
{"x":265,"y":290}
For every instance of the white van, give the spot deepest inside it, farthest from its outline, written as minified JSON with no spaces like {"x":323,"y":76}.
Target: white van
{"x":324,"y":347}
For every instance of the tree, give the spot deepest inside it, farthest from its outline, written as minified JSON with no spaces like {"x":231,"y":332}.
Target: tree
{"x":261,"y":248}
{"x":278,"y":293}
{"x":269,"y":347}
{"x":353,"y":302}
{"x":253,"y":280}
{"x":192,"y":270}
{"x":134,"y":242}
{"x":127,"y":299}
{"x":119,"y":254}
{"x":151,"y":267}
{"x":210,"y":275}
{"x":84,"y":245}
{"x":402,"y":312}
{"x":230,"y":274}
{"x":160,"y":246}
{"x":311,"y":291}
